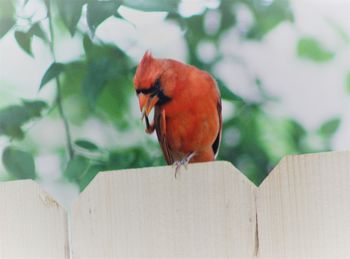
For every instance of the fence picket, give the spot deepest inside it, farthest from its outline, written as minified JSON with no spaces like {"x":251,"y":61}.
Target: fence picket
{"x":304,"y":208}
{"x":32,"y":224}
{"x":208,"y":211}
{"x":301,"y":210}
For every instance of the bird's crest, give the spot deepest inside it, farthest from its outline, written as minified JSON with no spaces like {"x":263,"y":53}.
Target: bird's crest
{"x":145,"y":69}
{"x":147,"y":58}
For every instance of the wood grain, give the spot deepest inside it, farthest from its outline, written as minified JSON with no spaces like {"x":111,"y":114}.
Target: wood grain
{"x":32,"y":224}
{"x":208,"y":211}
{"x":304,"y":208}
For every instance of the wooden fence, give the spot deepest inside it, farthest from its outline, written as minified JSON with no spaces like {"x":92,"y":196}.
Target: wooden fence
{"x":302,"y":210}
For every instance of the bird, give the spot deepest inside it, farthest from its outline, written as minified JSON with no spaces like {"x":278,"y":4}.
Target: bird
{"x":187,"y":109}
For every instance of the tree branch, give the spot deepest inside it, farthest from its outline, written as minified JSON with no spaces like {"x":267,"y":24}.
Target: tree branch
{"x":58,"y":85}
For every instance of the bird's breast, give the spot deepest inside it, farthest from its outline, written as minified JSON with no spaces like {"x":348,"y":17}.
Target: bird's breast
{"x":190,"y":126}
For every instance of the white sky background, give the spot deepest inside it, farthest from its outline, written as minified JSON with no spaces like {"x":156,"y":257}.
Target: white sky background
{"x":309,"y":92}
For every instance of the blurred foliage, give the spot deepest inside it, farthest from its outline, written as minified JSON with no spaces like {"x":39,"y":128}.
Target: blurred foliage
{"x":13,"y":117}
{"x":19,"y":164}
{"x":310,"y":48}
{"x":100,"y":82}
{"x":7,"y":19}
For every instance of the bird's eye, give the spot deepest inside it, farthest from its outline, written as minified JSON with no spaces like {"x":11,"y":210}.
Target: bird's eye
{"x":153,"y":90}
{"x":157,"y":84}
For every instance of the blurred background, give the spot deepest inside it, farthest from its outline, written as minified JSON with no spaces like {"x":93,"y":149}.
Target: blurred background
{"x":67,"y":105}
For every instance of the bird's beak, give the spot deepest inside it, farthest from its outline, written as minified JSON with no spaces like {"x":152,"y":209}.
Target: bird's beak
{"x":147,"y":102}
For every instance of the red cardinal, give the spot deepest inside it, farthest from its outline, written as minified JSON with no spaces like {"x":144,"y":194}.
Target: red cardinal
{"x":187,"y":109}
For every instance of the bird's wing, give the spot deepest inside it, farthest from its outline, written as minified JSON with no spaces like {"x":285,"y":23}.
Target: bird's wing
{"x":160,"y":125}
{"x":217,"y":141}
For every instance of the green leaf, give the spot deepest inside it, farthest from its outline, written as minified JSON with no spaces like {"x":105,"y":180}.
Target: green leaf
{"x":70,"y":11}
{"x":14,"y":113}
{"x":76,"y":167}
{"x":5,"y":25}
{"x":153,"y":6}
{"x":228,"y":18}
{"x":267,"y":15}
{"x":88,"y":45}
{"x":85,"y":144}
{"x":13,"y":117}
{"x":34,"y":108}
{"x":98,"y":11}
{"x":329,"y":127}
{"x":117,"y":91}
{"x":19,"y":163}
{"x":90,"y":175}
{"x":24,"y":40}
{"x":38,"y":31}
{"x":11,"y":120}
{"x":227,"y":93}
{"x":6,"y":16}
{"x":310,"y":48}
{"x":53,"y":71}
{"x":95,"y":81}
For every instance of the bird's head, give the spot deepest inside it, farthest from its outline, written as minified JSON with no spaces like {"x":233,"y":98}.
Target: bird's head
{"x":148,"y":81}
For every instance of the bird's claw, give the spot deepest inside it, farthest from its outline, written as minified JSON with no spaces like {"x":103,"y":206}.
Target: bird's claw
{"x":183,"y":162}
{"x":178,"y":164}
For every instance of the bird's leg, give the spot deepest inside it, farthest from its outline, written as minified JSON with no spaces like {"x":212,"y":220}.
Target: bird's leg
{"x":183,"y":162}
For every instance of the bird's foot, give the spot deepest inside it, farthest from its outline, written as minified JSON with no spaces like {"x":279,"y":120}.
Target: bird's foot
{"x":183,"y":162}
